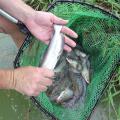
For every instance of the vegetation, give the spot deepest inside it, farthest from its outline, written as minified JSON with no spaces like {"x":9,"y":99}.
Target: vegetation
{"x":38,"y":4}
{"x":113,"y":90}
{"x":111,"y":5}
{"x":112,"y":95}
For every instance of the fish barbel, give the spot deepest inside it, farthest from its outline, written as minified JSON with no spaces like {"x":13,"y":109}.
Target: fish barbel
{"x":54,"y":49}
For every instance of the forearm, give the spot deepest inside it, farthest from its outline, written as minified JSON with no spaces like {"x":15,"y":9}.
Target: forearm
{"x":17,"y":8}
{"x":7,"y":79}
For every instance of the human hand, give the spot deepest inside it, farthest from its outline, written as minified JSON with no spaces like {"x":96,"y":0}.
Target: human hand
{"x":31,"y":80}
{"x":41,"y":24}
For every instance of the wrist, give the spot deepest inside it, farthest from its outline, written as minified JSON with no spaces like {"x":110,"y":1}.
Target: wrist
{"x":27,"y":14}
{"x":7,"y":79}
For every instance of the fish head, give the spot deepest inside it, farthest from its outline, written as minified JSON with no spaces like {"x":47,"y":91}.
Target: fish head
{"x":65,"y":95}
{"x":86,"y":75}
{"x":74,"y":64}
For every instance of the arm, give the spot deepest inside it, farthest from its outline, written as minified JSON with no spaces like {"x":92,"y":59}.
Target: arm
{"x":26,"y":80}
{"x":30,"y":80}
{"x":17,"y":8}
{"x":6,"y":79}
{"x":39,"y":23}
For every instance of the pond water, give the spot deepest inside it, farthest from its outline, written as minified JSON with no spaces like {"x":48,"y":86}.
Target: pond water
{"x":14,"y":106}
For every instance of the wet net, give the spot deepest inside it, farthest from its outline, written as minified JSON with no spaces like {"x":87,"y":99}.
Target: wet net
{"x":99,"y":35}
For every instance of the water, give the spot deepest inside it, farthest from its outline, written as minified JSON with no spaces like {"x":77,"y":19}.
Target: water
{"x":14,"y":106}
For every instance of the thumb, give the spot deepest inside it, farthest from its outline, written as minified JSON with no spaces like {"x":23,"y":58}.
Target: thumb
{"x":60,"y":21}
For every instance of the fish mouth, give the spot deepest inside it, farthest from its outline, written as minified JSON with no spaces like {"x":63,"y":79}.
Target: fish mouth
{"x":70,"y":58}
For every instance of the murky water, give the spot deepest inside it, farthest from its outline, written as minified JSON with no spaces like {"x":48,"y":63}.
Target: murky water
{"x":14,"y":106}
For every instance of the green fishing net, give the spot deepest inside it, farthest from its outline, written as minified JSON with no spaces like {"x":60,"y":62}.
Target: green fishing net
{"x":99,"y":35}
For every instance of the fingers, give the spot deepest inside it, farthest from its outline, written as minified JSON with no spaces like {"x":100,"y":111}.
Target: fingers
{"x":69,"y":32}
{"x":57,"y":20}
{"x":66,"y":30}
{"x":41,"y":88}
{"x":36,"y":92}
{"x":67,"y":48}
{"x":45,"y":81}
{"x":46,"y":72}
{"x":32,"y":80}
{"x":70,"y":42}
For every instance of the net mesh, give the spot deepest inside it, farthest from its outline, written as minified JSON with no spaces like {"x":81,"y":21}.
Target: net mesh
{"x":99,"y":35}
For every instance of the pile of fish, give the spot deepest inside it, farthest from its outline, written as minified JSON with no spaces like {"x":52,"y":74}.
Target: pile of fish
{"x":71,"y":79}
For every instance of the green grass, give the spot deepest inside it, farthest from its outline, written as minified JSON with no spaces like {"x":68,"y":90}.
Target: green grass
{"x":113,"y":94}
{"x":113,"y":91}
{"x":111,"y":5}
{"x":39,"y":4}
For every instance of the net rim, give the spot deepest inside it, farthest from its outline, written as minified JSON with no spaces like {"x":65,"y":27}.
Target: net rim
{"x":54,"y":3}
